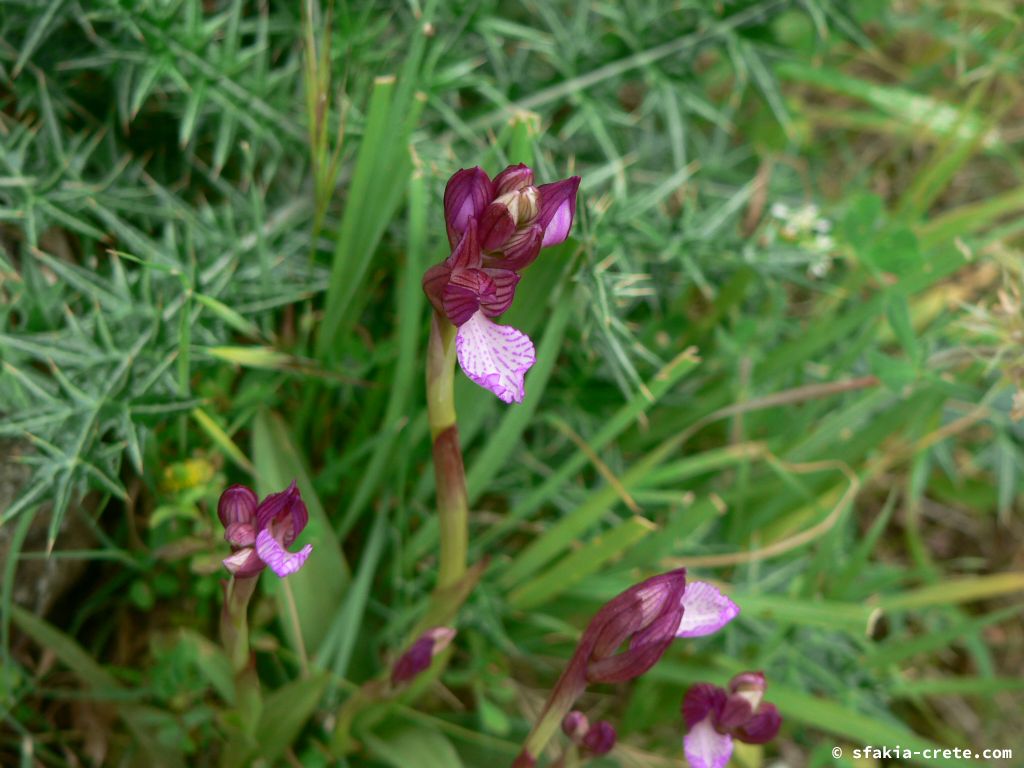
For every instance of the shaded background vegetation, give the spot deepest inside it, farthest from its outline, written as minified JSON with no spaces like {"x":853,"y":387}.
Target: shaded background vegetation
{"x":783,"y":348}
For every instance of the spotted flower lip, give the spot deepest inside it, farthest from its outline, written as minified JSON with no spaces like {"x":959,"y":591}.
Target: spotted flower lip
{"x":496,"y":228}
{"x":715,"y":716}
{"x":260,"y":534}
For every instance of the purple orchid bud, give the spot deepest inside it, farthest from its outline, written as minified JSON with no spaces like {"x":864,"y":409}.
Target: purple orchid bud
{"x":421,"y":653}
{"x":467,"y":194}
{"x":750,"y":686}
{"x":600,"y":738}
{"x":512,"y":179}
{"x":705,"y":610}
{"x":714,"y":717}
{"x":648,"y":615}
{"x":575,"y":725}
{"x":557,"y":209}
{"x":237,"y":505}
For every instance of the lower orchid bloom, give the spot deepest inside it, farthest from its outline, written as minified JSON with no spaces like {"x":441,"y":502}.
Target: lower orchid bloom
{"x":626,"y":638}
{"x":715,"y":716}
{"x":497,"y":228}
{"x":260,"y":534}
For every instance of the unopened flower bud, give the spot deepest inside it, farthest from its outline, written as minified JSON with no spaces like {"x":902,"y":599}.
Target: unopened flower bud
{"x":575,"y":725}
{"x":750,"y":686}
{"x":600,"y":738}
{"x":237,"y":505}
{"x":512,"y":179}
{"x":420,"y":654}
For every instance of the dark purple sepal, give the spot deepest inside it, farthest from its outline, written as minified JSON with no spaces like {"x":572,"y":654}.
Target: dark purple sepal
{"x":762,"y":727}
{"x":505,"y":282}
{"x":497,"y":224}
{"x":520,"y":250}
{"x":703,"y":700}
{"x":434,"y":281}
{"x":736,"y":712}
{"x":464,"y":292}
{"x":557,"y":209}
{"x":285,"y":511}
{"x":512,"y":179}
{"x":466,"y":195}
{"x":237,"y":505}
{"x":600,"y":739}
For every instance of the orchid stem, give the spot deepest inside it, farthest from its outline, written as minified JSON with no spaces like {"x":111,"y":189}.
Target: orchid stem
{"x":234,"y":620}
{"x":449,"y":472}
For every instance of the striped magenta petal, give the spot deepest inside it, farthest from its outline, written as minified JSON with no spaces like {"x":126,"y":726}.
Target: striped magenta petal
{"x":281,"y":561}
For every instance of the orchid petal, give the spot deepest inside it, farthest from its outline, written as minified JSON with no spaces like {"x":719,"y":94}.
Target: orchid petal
{"x":281,"y":561}
{"x":557,"y":209}
{"x":512,"y":179}
{"x":466,"y":195}
{"x":464,"y":293}
{"x":705,"y":747}
{"x":243,"y":563}
{"x":237,"y":505}
{"x":521,"y":249}
{"x":505,"y":282}
{"x":240,"y":534}
{"x":702,"y":701}
{"x":496,"y":357}
{"x":705,"y":610}
{"x":497,"y":223}
{"x":286,"y":512}
{"x":762,"y":727}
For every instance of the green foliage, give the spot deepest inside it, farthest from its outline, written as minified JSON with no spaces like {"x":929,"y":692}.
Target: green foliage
{"x":782,"y":348}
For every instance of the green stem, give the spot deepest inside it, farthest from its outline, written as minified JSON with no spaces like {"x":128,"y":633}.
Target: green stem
{"x":449,"y":472}
{"x":234,"y":621}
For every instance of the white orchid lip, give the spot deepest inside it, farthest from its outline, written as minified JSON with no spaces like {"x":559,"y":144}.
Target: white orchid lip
{"x":495,"y":356}
{"x":705,"y":747}
{"x":705,"y":610}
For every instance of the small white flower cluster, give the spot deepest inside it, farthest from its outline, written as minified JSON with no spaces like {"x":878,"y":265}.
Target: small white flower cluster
{"x":806,"y":227}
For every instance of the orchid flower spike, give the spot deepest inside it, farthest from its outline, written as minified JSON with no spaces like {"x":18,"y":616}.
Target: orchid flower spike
{"x":715,"y":716}
{"x":645,"y":618}
{"x":496,"y":229}
{"x":420,"y":654}
{"x":260,"y":534}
